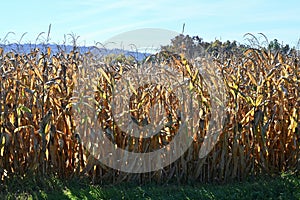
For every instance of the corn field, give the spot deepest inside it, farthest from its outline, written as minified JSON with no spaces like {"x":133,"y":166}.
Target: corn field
{"x":38,"y":135}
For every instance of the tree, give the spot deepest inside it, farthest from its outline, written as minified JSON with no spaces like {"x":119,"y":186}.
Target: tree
{"x":190,"y":47}
{"x":274,"y":45}
{"x":118,"y":58}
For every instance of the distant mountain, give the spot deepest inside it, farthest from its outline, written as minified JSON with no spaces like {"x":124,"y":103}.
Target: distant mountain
{"x":27,"y":48}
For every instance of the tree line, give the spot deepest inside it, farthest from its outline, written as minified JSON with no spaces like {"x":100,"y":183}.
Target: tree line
{"x":193,"y":46}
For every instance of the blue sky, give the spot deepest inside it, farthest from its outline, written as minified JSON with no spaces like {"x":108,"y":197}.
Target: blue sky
{"x":99,"y":20}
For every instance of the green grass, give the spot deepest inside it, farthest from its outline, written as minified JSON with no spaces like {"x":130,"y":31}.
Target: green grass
{"x":286,"y":186}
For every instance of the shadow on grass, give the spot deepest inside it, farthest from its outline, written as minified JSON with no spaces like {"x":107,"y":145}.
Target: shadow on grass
{"x":34,"y":187}
{"x":286,"y":186}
